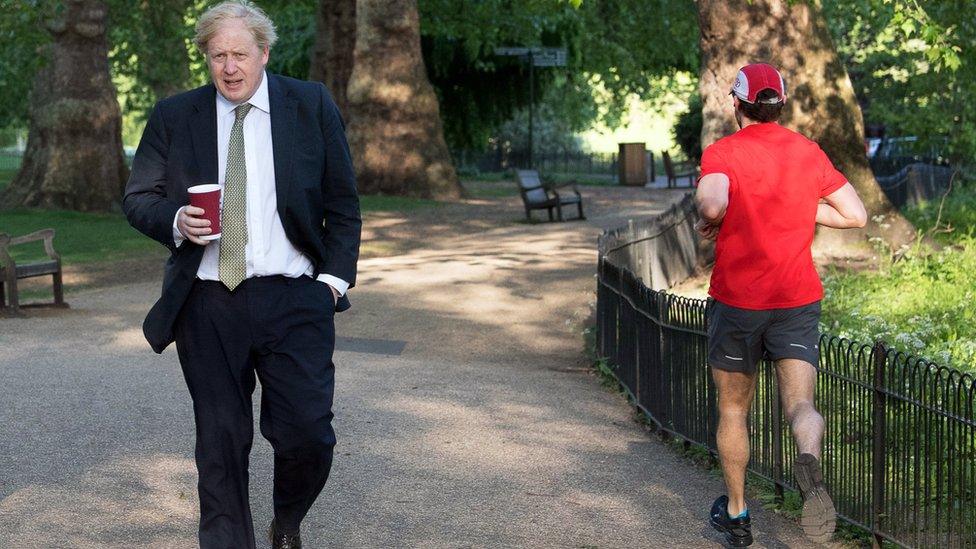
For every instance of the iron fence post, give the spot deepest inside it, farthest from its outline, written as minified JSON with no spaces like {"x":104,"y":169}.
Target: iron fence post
{"x":666,"y":416}
{"x":636,"y":389}
{"x":878,"y":445}
{"x":600,"y":304}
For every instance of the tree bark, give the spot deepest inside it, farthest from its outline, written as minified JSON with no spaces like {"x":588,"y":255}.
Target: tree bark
{"x":395,"y":133}
{"x":820,"y":99}
{"x":335,"y":42}
{"x":74,"y":156}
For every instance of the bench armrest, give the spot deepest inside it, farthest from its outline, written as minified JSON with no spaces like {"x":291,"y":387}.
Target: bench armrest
{"x":44,"y":234}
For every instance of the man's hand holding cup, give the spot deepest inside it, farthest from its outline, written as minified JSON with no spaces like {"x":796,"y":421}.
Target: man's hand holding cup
{"x":199,"y":222}
{"x":192,"y":225}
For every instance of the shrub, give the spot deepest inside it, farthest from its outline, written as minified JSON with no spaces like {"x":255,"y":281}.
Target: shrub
{"x":687,"y":130}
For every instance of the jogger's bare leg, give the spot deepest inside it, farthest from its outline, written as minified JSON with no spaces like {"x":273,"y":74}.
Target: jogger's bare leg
{"x":735,"y":394}
{"x":797,"y":381}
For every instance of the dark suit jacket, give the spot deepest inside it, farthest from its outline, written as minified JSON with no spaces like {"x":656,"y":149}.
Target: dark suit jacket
{"x":315,"y":185}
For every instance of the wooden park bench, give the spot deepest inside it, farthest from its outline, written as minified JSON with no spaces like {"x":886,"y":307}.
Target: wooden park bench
{"x":537,"y":196}
{"x":10,"y":272}
{"x":678,"y":170}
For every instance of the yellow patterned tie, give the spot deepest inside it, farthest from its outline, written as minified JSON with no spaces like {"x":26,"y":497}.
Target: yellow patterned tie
{"x":232,"y":264}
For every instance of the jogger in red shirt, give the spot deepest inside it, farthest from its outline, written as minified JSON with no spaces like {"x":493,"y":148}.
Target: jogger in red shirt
{"x":762,"y":192}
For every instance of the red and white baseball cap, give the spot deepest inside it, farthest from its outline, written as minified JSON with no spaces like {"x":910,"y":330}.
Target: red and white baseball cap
{"x":755,"y":78}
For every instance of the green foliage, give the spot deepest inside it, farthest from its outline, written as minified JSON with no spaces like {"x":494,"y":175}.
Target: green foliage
{"x":607,"y":41}
{"x":607,"y":45}
{"x":295,"y":23}
{"x":687,"y":131}
{"x":149,"y":57}
{"x":912,"y":65}
{"x":22,"y":41}
{"x":922,"y":302}
{"x":952,"y":219}
{"x":478,"y":90}
{"x":552,"y":132}
{"x":626,"y":43}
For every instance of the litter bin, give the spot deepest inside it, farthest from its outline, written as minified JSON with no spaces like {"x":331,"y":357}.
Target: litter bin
{"x":632,"y":164}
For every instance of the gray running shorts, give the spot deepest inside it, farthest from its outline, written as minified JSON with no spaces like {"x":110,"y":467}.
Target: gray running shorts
{"x":737,"y":338}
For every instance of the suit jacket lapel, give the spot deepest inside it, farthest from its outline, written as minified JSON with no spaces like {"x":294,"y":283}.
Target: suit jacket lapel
{"x":283,"y":119}
{"x":203,"y":129}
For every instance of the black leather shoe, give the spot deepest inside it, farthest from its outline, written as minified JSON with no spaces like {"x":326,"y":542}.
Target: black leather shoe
{"x":282,"y":540}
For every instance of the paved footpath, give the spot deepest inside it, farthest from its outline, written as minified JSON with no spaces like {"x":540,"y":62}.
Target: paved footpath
{"x":465,"y":412}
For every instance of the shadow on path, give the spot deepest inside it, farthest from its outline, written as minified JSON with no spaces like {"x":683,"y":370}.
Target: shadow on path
{"x":486,"y":430}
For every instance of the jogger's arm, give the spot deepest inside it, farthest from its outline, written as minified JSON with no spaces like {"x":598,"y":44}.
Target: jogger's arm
{"x":842,"y":209}
{"x":712,"y":197}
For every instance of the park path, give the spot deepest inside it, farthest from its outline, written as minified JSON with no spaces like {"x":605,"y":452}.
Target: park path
{"x":466,"y":414}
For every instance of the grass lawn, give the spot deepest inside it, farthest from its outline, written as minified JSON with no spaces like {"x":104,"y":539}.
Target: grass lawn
{"x":5,"y":176}
{"x":79,"y":237}
{"x":477,"y":187}
{"x":93,"y":237}
{"x":386,"y":203}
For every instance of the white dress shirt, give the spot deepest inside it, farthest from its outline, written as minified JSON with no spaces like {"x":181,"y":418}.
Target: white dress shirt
{"x":269,"y":252}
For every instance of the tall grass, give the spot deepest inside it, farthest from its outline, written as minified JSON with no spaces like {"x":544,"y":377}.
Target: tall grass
{"x":923,"y":302}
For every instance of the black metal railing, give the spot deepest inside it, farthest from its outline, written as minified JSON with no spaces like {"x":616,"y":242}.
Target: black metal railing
{"x":916,"y":183}
{"x":900,"y":440}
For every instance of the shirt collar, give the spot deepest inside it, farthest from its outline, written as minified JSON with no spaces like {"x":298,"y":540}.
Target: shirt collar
{"x":259,"y":99}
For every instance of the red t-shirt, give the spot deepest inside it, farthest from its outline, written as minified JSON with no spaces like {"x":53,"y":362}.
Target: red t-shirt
{"x":762,"y":253}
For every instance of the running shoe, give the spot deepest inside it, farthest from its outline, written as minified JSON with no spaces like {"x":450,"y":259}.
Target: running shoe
{"x":738,"y":531}
{"x":819,"y":518}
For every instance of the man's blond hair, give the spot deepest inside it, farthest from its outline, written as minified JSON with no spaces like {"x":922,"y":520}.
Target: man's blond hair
{"x":254,"y":18}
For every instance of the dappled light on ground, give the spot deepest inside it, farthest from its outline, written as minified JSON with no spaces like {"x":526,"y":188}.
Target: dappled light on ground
{"x":486,"y":429}
{"x":149,"y":498}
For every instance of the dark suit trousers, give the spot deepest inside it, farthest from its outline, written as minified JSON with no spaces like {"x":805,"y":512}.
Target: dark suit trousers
{"x":282,"y":330}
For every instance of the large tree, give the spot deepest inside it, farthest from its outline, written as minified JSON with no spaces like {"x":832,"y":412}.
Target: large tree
{"x":821,"y":102}
{"x":74,"y":154}
{"x":149,"y":41}
{"x":395,"y":132}
{"x":335,"y":41}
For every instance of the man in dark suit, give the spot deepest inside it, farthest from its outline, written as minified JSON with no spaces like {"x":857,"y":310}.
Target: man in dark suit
{"x":261,"y":299}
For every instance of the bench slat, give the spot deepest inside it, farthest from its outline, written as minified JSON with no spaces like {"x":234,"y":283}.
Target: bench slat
{"x":36,"y":269}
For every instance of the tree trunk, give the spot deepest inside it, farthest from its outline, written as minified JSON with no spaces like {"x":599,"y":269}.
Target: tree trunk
{"x":332,"y":55}
{"x":396,"y":134}
{"x":820,"y":99}
{"x":74,"y":154}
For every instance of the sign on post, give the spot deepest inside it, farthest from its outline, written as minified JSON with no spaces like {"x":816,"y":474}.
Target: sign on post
{"x":541,"y":57}
{"x":538,"y":57}
{"x":549,"y":57}
{"x":511,"y":51}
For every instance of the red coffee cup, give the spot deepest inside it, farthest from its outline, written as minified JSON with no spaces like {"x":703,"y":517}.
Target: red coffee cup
{"x":208,"y":198}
